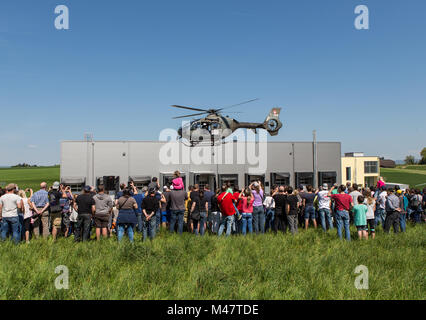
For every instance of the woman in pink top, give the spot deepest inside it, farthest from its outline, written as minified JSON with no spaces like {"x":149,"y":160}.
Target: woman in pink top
{"x":247,"y":200}
{"x":381,"y":183}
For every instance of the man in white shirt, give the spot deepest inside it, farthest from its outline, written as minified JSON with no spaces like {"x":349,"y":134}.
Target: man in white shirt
{"x":355,"y":194}
{"x":9,"y":205}
{"x":381,"y":207}
{"x":324,"y":202}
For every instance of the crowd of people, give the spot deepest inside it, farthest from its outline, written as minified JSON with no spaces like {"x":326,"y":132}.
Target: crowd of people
{"x":55,"y":210}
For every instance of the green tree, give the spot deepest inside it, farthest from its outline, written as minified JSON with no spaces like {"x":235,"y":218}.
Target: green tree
{"x":410,"y":160}
{"x":423,"y":155}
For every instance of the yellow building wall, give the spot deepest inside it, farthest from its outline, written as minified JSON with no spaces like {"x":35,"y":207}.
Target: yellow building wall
{"x":358,"y":175}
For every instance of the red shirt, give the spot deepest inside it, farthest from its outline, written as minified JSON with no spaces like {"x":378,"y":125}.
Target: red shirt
{"x":238,"y":201}
{"x":226,"y":205}
{"x":343,"y":201}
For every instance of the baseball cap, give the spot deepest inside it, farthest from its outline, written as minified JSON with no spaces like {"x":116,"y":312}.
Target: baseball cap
{"x":87,"y":188}
{"x":55,"y":185}
{"x":151,"y":190}
{"x":165,"y":188}
{"x":325,"y":185}
{"x":399,"y":191}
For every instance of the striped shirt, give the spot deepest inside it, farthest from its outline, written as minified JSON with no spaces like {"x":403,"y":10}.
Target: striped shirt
{"x":40,"y":198}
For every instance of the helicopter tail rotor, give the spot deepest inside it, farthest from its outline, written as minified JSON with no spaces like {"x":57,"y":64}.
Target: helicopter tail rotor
{"x":272,"y":122}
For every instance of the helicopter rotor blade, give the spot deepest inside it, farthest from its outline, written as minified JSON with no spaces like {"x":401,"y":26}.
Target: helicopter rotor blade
{"x":238,"y":104}
{"x":189,"y":108}
{"x":190,"y":115}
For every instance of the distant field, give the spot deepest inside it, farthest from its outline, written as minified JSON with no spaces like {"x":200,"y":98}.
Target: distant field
{"x":415,"y":176}
{"x":412,"y":167}
{"x":29,"y":177}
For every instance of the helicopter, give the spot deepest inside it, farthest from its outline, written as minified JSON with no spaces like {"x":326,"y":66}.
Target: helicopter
{"x":215,"y":127}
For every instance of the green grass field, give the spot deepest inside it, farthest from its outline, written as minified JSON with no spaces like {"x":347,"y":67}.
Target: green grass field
{"x":29,"y":177}
{"x":311,"y":265}
{"x":415,"y":176}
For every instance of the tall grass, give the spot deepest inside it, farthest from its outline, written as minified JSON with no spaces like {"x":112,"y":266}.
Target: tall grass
{"x":310,"y":265}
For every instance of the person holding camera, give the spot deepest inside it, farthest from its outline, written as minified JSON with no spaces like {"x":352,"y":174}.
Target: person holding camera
{"x":10,"y":203}
{"x":55,"y":209}
{"x":65,"y":203}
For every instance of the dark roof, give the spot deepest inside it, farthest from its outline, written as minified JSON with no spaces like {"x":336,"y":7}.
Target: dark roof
{"x":387,"y":163}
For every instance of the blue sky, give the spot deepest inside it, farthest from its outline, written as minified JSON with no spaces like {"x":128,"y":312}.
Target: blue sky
{"x":121,"y":64}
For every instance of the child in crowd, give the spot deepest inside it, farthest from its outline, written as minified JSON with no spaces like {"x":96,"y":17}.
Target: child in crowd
{"x":177,"y":182}
{"x":371,"y":208}
{"x":360,"y":218}
{"x":247,"y":216}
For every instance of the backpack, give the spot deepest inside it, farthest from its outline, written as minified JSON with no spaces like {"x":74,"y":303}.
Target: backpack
{"x":415,"y":202}
{"x":54,"y":202}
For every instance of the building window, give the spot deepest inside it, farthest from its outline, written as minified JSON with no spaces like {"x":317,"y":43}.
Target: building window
{"x":370,"y":181}
{"x":231,"y":178}
{"x":327,"y":177}
{"x":280,"y":179}
{"x":254,"y":178}
{"x":304,"y":178}
{"x":348,"y":174}
{"x":370,"y":167}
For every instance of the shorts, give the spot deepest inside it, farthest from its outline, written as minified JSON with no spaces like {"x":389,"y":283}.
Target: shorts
{"x":66,"y":219}
{"x":361,"y":228}
{"x":310,"y":213}
{"x":56,"y":219}
{"x":165,"y":216}
{"x":371,"y":223}
{"x":27,"y":224}
{"x":101,"y":221}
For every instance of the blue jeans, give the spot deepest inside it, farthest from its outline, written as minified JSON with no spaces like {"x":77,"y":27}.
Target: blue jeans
{"x":202,"y":221}
{"x":149,"y":227}
{"x":380,"y":217}
{"x":342,"y":220}
{"x":247,"y":223}
{"x":402,"y":221}
{"x":228,"y":221}
{"x":325,"y":213}
{"x":259,"y":219}
{"x":215,"y":218}
{"x":269,"y":219}
{"x":176,"y":215}
{"x":158,"y":219}
{"x":10,"y":225}
{"x":122,"y":227}
{"x":418,"y":216}
{"x":21,"y":226}
{"x":140,"y":221}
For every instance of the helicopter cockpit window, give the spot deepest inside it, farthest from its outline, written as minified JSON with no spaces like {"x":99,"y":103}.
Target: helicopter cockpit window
{"x":195,"y":125}
{"x":216,"y":125}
